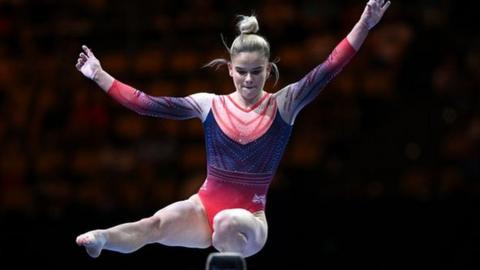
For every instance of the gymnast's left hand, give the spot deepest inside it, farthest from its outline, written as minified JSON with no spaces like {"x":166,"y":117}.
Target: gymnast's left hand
{"x":87,"y":63}
{"x":373,"y":12}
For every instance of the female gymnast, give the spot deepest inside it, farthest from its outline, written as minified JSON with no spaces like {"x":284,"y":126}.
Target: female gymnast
{"x":245,"y":135}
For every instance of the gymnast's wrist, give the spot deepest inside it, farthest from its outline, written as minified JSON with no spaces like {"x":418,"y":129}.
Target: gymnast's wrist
{"x":98,"y":75}
{"x":363,"y":25}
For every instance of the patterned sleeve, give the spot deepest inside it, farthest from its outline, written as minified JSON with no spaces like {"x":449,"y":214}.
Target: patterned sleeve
{"x":178,"y":108}
{"x":295,"y":96}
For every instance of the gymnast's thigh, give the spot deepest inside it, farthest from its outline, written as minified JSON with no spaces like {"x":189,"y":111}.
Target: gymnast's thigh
{"x":184,"y":223}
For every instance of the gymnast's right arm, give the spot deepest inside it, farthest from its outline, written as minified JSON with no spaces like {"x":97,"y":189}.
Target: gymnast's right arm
{"x":179,"y":108}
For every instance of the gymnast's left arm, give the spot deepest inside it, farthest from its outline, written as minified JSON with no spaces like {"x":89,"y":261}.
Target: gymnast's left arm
{"x":294,"y":97}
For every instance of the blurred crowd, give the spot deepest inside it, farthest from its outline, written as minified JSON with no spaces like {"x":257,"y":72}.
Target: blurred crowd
{"x":402,"y":120}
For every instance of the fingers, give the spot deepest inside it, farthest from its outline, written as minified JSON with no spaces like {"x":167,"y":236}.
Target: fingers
{"x":79,"y":65}
{"x":387,"y":4}
{"x":83,"y":57}
{"x":87,"y":50}
{"x":378,"y":5}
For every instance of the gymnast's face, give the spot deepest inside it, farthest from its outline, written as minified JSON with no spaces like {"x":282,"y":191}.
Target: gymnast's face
{"x":249,"y":71}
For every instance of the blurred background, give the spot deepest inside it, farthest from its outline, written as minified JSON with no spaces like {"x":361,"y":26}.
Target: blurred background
{"x":382,"y":170}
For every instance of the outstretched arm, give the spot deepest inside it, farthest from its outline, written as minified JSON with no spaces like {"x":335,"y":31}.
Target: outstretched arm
{"x":295,"y":96}
{"x":196,"y":105}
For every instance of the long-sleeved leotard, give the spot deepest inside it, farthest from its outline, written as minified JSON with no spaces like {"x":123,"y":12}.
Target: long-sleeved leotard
{"x":244,"y":147}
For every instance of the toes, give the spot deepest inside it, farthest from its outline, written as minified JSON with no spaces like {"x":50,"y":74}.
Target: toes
{"x":85,"y":239}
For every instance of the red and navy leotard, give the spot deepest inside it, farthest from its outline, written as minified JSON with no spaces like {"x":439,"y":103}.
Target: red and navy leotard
{"x":244,"y":147}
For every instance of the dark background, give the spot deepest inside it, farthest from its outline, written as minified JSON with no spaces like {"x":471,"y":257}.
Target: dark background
{"x":382,"y":170}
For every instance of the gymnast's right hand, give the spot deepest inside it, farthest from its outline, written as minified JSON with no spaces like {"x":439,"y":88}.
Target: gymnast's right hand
{"x":87,"y":63}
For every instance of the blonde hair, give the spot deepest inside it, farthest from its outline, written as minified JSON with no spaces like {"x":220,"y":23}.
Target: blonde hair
{"x":247,"y":41}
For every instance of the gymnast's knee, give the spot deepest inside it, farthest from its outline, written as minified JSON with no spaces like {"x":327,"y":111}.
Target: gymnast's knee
{"x":227,"y":236}
{"x":153,"y":227}
{"x":229,"y":242}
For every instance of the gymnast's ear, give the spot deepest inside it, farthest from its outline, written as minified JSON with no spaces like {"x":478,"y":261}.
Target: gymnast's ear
{"x":269,"y":69}
{"x":230,"y":68}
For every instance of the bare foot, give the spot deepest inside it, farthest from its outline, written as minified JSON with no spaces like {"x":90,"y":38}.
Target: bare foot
{"x":93,"y":242}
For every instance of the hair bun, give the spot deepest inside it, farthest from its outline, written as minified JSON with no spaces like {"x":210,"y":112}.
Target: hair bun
{"x":248,"y":25}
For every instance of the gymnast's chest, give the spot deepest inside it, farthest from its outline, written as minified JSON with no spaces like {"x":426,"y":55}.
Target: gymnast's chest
{"x":244,"y":125}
